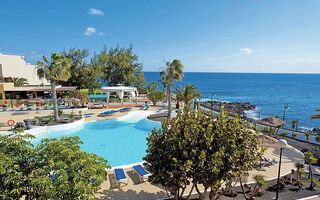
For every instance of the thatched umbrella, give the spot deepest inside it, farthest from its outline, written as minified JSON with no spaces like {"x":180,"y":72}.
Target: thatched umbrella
{"x":75,"y":101}
{"x":272,"y":122}
{"x":36,"y":100}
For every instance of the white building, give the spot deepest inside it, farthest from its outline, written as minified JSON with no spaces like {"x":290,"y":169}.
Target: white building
{"x":120,"y":90}
{"x":16,"y":66}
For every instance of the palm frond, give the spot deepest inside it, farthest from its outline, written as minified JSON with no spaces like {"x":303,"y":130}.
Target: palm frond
{"x":315,"y":116}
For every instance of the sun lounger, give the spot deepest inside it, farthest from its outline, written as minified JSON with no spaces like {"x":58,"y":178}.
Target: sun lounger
{"x":142,"y":107}
{"x":88,"y":114}
{"x":147,"y":107}
{"x":124,"y":109}
{"x":120,"y":177}
{"x":142,"y":173}
{"x":108,"y":113}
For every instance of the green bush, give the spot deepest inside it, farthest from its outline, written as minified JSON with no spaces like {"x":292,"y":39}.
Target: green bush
{"x":294,"y":135}
{"x":28,"y":171}
{"x":60,"y":112}
{"x":283,"y":134}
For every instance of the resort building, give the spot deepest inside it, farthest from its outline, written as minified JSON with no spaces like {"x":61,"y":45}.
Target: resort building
{"x":121,"y":91}
{"x":15,"y":66}
{"x":11,"y":96}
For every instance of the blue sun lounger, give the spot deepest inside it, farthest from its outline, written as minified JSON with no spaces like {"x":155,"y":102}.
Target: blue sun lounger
{"x":120,"y":177}
{"x":124,"y":109}
{"x":147,"y":107}
{"x":88,"y":114}
{"x":142,"y":107}
{"x":142,"y":173}
{"x":108,"y":113}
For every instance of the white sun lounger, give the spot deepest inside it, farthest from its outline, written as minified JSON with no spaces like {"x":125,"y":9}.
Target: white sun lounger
{"x":120,"y":177}
{"x":141,"y":172}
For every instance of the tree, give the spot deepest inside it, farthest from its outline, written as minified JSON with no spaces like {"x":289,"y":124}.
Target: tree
{"x":55,"y":169}
{"x":300,"y":174}
{"x":18,"y":82}
{"x":187,"y":93}
{"x":294,"y":135}
{"x":318,"y":138}
{"x":173,"y":72}
{"x":16,"y":153}
{"x":207,"y":151}
{"x":260,"y":183}
{"x":310,"y":159}
{"x":56,"y":68}
{"x":120,"y":66}
{"x":293,"y":125}
{"x":81,"y":95}
{"x":83,"y":74}
{"x":66,"y":172}
{"x":308,"y":135}
{"x":164,"y":83}
{"x":155,"y":96}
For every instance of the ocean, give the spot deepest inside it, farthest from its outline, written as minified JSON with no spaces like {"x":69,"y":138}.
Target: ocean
{"x":269,"y":92}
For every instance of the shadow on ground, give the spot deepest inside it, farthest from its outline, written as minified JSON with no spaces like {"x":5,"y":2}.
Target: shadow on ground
{"x":129,"y":194}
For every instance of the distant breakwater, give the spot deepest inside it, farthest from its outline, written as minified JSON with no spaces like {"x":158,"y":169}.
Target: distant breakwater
{"x":232,"y":108}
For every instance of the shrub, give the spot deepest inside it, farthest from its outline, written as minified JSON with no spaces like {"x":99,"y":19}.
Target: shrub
{"x":182,"y":151}
{"x":294,"y":135}
{"x":50,"y":120}
{"x":155,"y":96}
{"x":55,"y":169}
{"x":283,"y":134}
{"x":71,"y":117}
{"x":60,"y":112}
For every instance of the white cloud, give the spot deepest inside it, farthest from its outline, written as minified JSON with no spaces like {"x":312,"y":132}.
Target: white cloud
{"x":246,"y":51}
{"x":90,"y":31}
{"x":102,"y":34}
{"x":94,"y":11}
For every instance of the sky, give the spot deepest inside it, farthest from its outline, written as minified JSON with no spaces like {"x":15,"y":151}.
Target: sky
{"x":269,"y":36}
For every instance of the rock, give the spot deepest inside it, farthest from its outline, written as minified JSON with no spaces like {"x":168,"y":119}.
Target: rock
{"x":231,"y":193}
{"x":32,"y":122}
{"x":20,"y":125}
{"x":234,"y":108}
{"x":316,"y":131}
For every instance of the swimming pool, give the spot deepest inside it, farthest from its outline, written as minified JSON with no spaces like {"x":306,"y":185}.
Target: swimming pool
{"x":121,"y":141}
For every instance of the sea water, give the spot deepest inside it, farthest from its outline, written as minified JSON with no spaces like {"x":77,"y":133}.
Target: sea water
{"x":269,"y":92}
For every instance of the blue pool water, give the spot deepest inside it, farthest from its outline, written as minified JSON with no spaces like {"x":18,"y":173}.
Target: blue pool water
{"x":269,"y":92}
{"x":121,"y":141}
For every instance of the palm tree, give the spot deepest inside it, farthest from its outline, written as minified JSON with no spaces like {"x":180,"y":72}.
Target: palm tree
{"x":300,"y":173}
{"x":307,"y":134}
{"x":309,"y":159}
{"x":318,"y":138}
{"x":54,"y":69}
{"x":187,"y":93}
{"x":317,"y":115}
{"x":18,"y":82}
{"x":164,"y":83}
{"x":173,"y":72}
{"x":293,"y":125}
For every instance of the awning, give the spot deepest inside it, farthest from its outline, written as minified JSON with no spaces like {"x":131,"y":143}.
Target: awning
{"x":98,"y":96}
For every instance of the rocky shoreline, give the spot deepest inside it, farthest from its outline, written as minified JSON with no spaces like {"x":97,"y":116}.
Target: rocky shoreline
{"x":232,"y":108}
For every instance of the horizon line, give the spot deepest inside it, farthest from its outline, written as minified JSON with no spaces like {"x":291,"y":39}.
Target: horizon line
{"x":246,"y":72}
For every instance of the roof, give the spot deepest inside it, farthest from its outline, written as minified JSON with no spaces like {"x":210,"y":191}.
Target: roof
{"x":119,"y":88}
{"x":272,"y":121}
{"x":98,"y":96}
{"x":39,"y":89}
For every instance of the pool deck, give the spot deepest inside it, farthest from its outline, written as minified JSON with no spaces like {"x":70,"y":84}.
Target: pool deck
{"x":19,"y":117}
{"x":136,"y":190}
